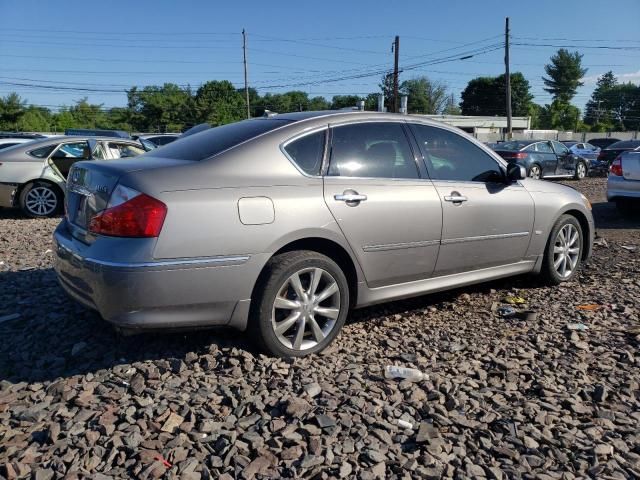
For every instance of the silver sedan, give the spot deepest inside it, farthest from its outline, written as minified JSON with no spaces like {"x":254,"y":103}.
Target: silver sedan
{"x":282,"y":225}
{"x":623,"y":183}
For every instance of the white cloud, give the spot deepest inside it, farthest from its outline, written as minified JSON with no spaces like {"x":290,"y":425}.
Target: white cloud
{"x":633,"y":77}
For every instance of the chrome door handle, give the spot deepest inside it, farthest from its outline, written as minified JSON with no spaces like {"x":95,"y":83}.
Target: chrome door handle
{"x":455,"y":198}
{"x":350,"y":197}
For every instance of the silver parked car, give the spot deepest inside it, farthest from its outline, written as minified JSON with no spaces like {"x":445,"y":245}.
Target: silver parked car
{"x":281,"y":225}
{"x":33,"y":175}
{"x":623,"y":183}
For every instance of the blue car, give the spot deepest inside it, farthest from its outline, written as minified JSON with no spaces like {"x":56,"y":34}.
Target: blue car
{"x":588,"y":152}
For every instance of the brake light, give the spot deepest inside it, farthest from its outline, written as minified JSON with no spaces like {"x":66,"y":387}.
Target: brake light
{"x":616,"y":167}
{"x":514,"y":155}
{"x":130,"y":214}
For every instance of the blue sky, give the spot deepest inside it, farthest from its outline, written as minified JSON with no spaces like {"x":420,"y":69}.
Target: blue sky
{"x":113,"y":45}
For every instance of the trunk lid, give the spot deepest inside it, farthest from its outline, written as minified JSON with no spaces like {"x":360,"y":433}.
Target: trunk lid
{"x":90,"y":184}
{"x":609,"y":155}
{"x":631,"y":165}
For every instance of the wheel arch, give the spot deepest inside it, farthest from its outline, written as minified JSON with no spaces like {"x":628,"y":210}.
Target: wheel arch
{"x":331,"y":248}
{"x":586,"y":229}
{"x":22,"y":186}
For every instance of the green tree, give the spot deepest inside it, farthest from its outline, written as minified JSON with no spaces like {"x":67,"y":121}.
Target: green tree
{"x":345,"y":101}
{"x":560,"y":116}
{"x":12,"y":108}
{"x":598,"y":109}
{"x":318,"y":103}
{"x":386,"y":87}
{"x":424,"y":95}
{"x":218,"y":102}
{"x":564,"y":74}
{"x":36,"y":119}
{"x":486,"y":96}
{"x":161,"y":108}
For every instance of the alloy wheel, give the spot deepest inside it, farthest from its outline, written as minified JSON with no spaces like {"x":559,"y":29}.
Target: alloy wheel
{"x":41,"y":201}
{"x":566,"y":250}
{"x":534,"y":172}
{"x":581,"y":170}
{"x":306,"y":308}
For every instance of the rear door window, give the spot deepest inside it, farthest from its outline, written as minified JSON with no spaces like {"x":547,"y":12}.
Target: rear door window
{"x":372,"y":150}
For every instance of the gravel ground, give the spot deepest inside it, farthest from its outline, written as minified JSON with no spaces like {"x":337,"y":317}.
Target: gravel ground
{"x":505,"y":398}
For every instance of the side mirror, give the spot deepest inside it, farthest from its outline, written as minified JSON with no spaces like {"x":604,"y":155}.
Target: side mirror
{"x":515,"y":172}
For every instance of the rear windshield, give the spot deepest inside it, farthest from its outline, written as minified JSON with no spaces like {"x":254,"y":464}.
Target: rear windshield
{"x":200,"y":146}
{"x":625,"y":144}
{"x":511,"y":145}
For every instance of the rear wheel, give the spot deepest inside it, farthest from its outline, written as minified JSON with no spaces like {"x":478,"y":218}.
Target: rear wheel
{"x":40,"y":199}
{"x":535,"y":171}
{"x":563,"y":255}
{"x":300,"y":304}
{"x":581,"y":171}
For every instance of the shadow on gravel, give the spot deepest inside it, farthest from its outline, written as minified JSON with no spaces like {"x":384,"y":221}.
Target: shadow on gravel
{"x":606,"y":215}
{"x":54,"y":337}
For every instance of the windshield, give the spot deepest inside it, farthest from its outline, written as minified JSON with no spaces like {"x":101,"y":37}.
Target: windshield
{"x":512,"y":145}
{"x":202,"y":145}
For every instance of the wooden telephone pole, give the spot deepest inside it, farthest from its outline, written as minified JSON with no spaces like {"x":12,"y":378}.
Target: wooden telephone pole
{"x":396,"y":51}
{"x":246,"y":83}
{"x":507,"y":77}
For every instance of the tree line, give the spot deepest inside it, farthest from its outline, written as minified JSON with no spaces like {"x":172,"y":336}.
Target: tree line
{"x":171,"y":108}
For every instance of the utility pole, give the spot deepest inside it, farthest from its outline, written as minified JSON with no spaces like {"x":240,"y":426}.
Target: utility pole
{"x":396,"y":51}
{"x":246,"y":84}
{"x":598,"y":112}
{"x":507,"y":77}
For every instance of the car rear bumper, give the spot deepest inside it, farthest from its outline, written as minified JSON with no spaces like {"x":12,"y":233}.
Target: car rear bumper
{"x":619,"y":187}
{"x":176,"y":293}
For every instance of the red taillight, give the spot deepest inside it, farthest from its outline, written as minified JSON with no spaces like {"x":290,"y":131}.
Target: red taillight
{"x":140,"y":216}
{"x":616,"y":167}
{"x":514,"y":155}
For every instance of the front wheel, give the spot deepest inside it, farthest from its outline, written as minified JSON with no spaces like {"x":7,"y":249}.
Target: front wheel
{"x":40,"y":199}
{"x":535,"y":171}
{"x":300,"y":304}
{"x":581,"y":171}
{"x":563,"y":255}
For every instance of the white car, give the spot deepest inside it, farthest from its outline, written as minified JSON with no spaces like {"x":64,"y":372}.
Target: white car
{"x":33,"y":175}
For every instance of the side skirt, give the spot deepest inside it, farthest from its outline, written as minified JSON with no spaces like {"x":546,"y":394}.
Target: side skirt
{"x":369,"y":296}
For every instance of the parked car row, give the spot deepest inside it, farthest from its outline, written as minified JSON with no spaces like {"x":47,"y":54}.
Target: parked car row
{"x":281,"y":225}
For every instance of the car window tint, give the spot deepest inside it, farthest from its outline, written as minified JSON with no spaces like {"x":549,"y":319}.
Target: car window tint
{"x":42,"y":152}
{"x":212,"y":141}
{"x":588,"y":146}
{"x":450,"y":156}
{"x":559,"y":148}
{"x":625,"y":144}
{"x":306,"y":152}
{"x":371,"y":150}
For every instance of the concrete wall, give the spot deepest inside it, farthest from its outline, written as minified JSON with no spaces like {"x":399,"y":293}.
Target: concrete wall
{"x":555,"y":135}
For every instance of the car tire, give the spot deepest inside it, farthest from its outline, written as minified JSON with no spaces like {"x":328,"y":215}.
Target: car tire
{"x":535,"y":171}
{"x":563,"y":253}
{"x":581,"y":171}
{"x":278,"y":313}
{"x":40,"y":200}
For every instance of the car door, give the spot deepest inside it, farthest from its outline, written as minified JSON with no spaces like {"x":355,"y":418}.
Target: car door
{"x":390,"y":215}
{"x":566,"y":159}
{"x":69,"y":153}
{"x":547,"y":157}
{"x":486,"y":221}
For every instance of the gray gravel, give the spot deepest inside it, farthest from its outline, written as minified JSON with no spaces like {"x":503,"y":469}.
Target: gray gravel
{"x":505,"y":398}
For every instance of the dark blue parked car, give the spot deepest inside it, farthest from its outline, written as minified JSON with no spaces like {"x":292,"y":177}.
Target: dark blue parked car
{"x":544,"y":158}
